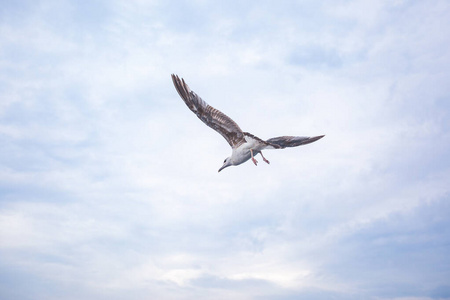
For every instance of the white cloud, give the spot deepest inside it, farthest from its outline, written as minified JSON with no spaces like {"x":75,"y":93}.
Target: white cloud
{"x":105,"y":190}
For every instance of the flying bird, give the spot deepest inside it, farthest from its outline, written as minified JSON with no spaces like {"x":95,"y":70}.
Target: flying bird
{"x":244,"y":145}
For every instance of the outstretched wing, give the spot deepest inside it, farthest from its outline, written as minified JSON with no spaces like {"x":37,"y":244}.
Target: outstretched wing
{"x":209,"y":115}
{"x":293,"y":141}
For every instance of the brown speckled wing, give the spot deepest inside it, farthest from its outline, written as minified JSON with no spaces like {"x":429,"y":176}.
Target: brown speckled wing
{"x":209,"y":115}
{"x":293,"y":141}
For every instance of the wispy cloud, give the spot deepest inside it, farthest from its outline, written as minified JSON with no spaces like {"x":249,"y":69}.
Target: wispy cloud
{"x":109,"y":186}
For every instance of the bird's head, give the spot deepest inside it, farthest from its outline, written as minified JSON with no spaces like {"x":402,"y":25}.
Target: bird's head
{"x":226,"y":163}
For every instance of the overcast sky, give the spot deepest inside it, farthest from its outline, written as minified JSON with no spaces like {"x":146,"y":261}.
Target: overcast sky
{"x":109,"y":186}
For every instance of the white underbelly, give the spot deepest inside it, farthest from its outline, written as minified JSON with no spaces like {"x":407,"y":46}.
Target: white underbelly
{"x":242,"y":153}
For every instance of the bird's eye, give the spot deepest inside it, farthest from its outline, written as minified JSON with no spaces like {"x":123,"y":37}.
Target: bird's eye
{"x":224,"y":160}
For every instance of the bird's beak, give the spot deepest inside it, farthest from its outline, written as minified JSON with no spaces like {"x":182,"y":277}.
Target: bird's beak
{"x":223,"y":167}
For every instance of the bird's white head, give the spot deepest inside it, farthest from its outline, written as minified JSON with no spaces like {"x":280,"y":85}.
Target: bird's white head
{"x":226,"y":163}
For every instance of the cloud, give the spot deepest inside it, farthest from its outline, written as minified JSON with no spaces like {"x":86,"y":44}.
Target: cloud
{"x":109,"y":186}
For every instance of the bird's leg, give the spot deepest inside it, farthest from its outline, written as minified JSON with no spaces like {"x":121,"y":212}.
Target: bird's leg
{"x":253,"y":159}
{"x":265,"y":160}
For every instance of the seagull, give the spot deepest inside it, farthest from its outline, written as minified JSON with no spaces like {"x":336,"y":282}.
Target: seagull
{"x":244,"y":145}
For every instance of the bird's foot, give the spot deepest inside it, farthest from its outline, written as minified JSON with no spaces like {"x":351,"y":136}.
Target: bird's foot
{"x":255,"y":161}
{"x":265,"y":160}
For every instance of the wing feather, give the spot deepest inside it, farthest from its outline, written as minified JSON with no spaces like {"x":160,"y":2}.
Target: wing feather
{"x":212,"y":117}
{"x":293,"y":141}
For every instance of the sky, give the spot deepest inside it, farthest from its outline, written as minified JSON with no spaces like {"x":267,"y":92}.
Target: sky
{"x":109,"y":186}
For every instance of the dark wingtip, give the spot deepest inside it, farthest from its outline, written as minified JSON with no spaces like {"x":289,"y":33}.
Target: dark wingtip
{"x":174,"y":77}
{"x":181,"y":87}
{"x":316,"y":138}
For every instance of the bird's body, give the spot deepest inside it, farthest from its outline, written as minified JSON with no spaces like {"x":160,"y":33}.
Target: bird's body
{"x":244,"y":145}
{"x":242,"y":153}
